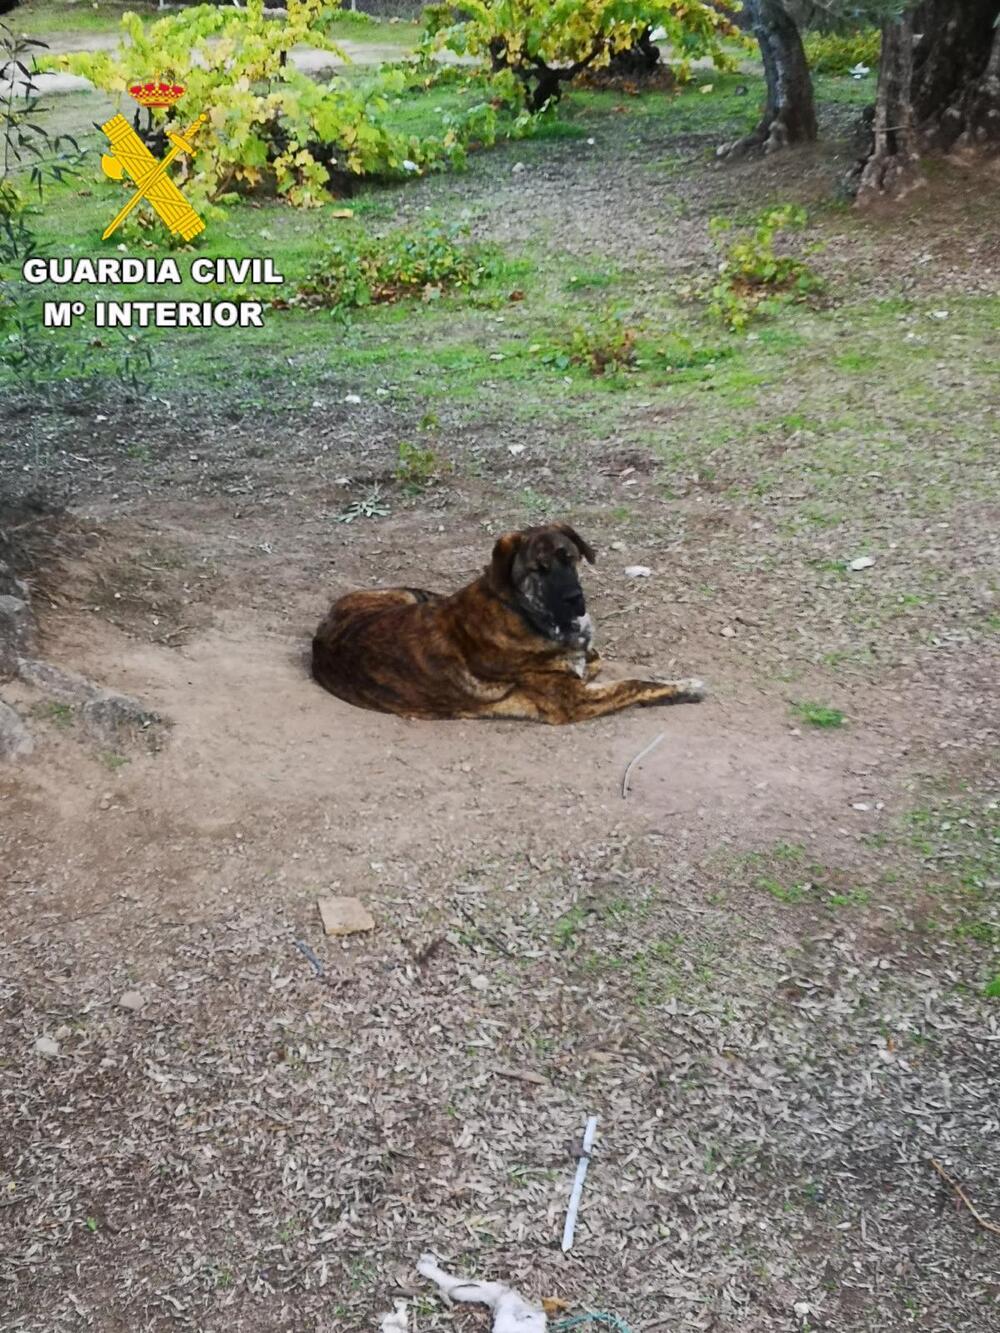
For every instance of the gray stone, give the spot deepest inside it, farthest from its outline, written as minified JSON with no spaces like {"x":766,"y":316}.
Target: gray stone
{"x":109,"y":715}
{"x":15,"y":738}
{"x":15,"y":632}
{"x":105,"y":713}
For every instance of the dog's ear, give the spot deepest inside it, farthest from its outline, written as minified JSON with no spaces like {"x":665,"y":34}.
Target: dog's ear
{"x":502,"y":563}
{"x":585,"y":548}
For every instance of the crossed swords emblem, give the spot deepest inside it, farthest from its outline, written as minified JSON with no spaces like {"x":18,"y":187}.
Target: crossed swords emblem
{"x":150,"y":177}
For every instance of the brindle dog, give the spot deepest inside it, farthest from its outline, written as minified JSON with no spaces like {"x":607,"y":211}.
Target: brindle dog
{"x":515,"y":643}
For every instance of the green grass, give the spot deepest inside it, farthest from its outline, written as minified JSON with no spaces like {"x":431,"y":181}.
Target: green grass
{"x":786,"y":872}
{"x":43,"y":17}
{"x":957,"y":846}
{"x":61,"y":715}
{"x":819,"y":715}
{"x":687,"y":110}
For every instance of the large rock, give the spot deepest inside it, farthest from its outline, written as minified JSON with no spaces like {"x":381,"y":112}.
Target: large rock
{"x":15,"y":632}
{"x":105,"y":713}
{"x":15,"y":738}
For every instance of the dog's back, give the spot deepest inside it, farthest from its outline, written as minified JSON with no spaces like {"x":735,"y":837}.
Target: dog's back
{"x":362,"y":651}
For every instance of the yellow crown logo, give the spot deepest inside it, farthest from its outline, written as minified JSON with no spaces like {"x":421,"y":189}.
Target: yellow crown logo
{"x":156,"y":94}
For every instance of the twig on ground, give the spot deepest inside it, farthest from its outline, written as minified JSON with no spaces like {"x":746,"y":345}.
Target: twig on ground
{"x":632,"y":762}
{"x":308,"y":954}
{"x":983,"y":1222}
{"x":492,"y":939}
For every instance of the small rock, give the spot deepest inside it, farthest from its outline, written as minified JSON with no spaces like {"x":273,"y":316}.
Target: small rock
{"x":47,"y":1047}
{"x":860,"y":805}
{"x":618,"y":546}
{"x":515,"y":449}
{"x":352,"y":398}
{"x":480,"y":983}
{"x":637,"y":571}
{"x":517,"y":167}
{"x":728,"y":632}
{"x":62,"y":1032}
{"x":132,"y":999}
{"x":344,"y":916}
{"x":862,"y":562}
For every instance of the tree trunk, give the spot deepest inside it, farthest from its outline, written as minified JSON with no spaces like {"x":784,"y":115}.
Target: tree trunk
{"x":893,"y":165}
{"x":938,"y":92}
{"x":790,"y":113}
{"x":638,"y":62}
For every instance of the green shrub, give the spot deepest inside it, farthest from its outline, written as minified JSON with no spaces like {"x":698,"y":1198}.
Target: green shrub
{"x":543,"y":45}
{"x":417,"y":468}
{"x":604,"y":344}
{"x":271,"y":128}
{"x":839,"y":52}
{"x":367,"y":270}
{"x":751,"y":272}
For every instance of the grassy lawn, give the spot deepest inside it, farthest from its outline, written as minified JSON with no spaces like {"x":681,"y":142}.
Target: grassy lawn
{"x":50,"y":19}
{"x":53,"y":20}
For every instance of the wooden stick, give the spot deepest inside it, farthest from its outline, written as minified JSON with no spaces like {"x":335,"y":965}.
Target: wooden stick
{"x":983,"y":1222}
{"x":632,"y":762}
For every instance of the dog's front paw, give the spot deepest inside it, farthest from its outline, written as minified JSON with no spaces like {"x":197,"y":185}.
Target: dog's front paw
{"x":692,"y":688}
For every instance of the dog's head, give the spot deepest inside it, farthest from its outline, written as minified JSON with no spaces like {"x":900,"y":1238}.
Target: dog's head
{"x":538,"y":569}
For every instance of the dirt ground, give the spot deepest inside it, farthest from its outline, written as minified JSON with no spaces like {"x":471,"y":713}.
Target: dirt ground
{"x":741,"y":968}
